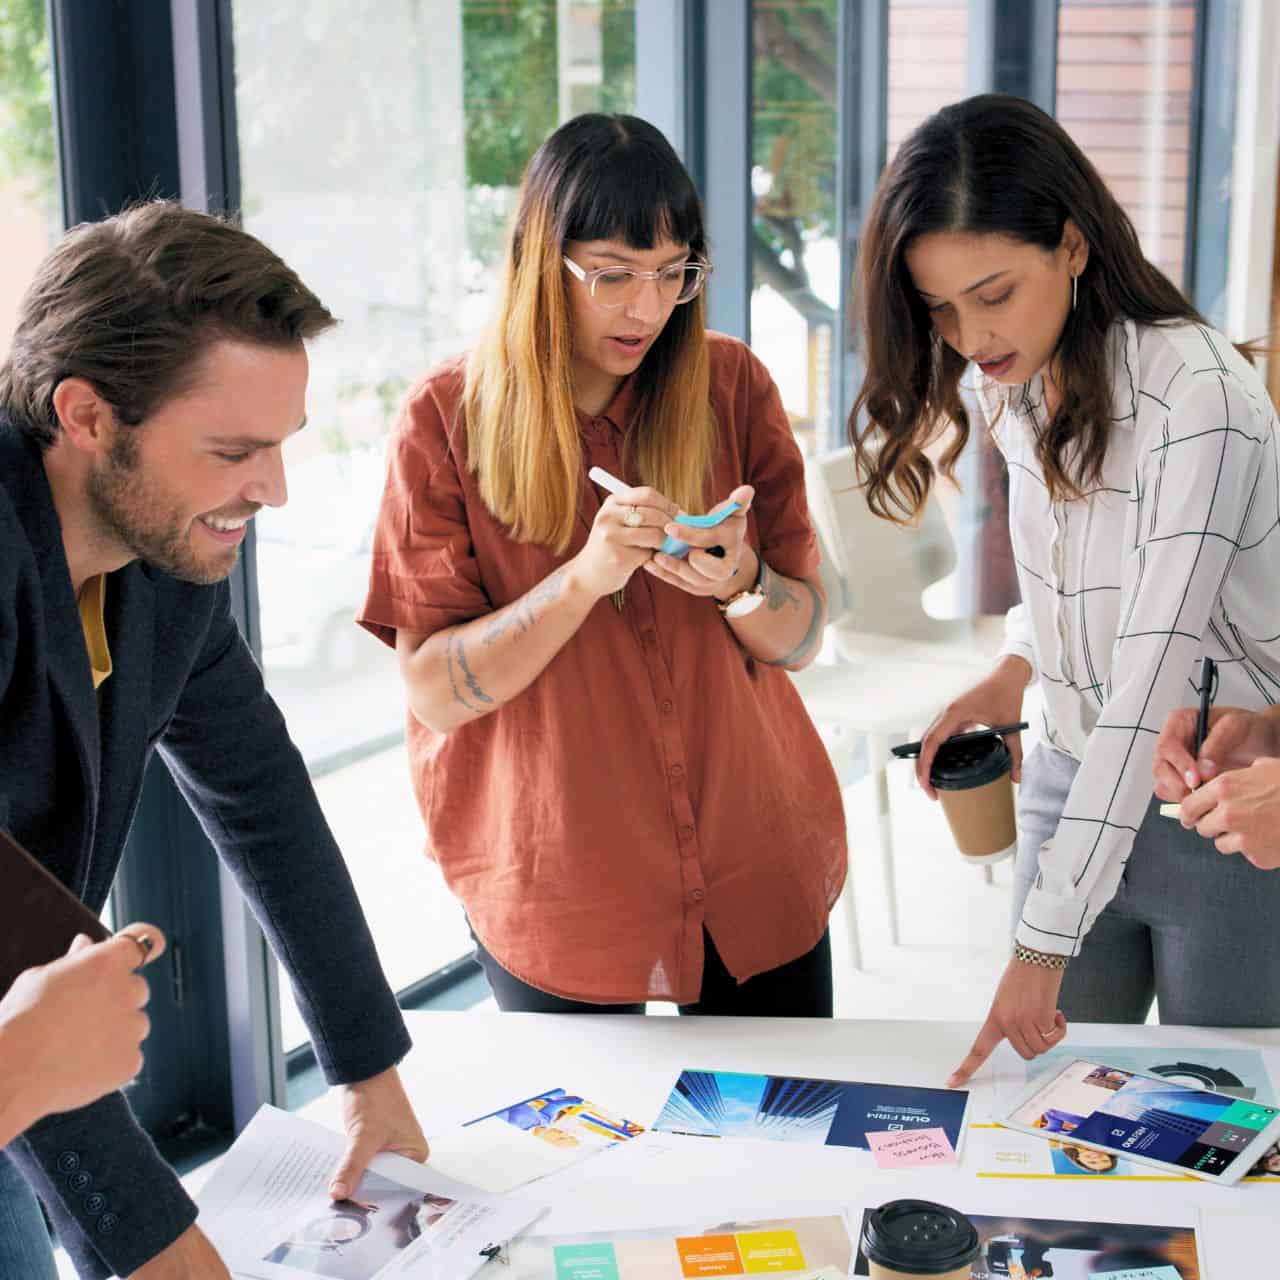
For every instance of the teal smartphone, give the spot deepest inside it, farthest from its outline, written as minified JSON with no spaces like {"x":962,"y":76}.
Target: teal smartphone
{"x":674,"y":547}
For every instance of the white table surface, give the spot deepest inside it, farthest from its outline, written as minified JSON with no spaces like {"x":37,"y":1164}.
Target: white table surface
{"x":466,"y":1064}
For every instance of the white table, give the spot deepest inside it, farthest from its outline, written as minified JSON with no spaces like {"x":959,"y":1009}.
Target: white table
{"x":466,"y":1064}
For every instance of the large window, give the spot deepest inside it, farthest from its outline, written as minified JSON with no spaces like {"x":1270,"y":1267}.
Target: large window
{"x":1124,"y":93}
{"x":928,"y":62}
{"x":381,"y":147}
{"x":795,"y":253}
{"x":29,"y":207}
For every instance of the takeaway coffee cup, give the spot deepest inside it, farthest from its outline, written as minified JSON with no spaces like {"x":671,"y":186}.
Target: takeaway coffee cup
{"x":919,"y":1238}
{"x":974,"y":780}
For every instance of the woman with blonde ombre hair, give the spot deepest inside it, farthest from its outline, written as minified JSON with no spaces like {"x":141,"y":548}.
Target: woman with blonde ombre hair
{"x":618,"y":779}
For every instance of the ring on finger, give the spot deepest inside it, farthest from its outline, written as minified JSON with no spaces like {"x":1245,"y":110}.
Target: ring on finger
{"x":146,"y":944}
{"x":633,"y":519}
{"x":1048,"y":1035}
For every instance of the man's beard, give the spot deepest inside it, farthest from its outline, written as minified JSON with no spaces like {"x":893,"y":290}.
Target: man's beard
{"x":131,"y":509}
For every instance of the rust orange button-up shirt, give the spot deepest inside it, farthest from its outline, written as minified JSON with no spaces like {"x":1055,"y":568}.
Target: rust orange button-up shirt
{"x":654,"y":778}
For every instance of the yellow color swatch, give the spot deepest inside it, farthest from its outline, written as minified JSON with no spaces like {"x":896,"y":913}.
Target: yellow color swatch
{"x":765,"y":1251}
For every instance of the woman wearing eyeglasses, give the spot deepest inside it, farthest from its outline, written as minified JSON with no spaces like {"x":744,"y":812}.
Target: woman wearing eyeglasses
{"x":618,"y":780}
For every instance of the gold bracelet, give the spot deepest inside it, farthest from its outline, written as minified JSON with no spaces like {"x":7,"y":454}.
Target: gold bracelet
{"x":1042,"y":959}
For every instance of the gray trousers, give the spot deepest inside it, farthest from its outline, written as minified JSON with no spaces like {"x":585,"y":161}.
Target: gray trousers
{"x":1195,"y":930}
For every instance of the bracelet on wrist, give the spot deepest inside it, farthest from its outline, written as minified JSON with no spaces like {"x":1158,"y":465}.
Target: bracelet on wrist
{"x":1041,"y":959}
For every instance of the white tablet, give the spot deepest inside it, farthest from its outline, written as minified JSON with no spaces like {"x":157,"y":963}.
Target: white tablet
{"x":1160,"y":1122}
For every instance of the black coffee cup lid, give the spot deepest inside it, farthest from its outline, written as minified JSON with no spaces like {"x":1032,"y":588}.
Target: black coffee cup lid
{"x":919,"y":1238}
{"x":961,"y":764}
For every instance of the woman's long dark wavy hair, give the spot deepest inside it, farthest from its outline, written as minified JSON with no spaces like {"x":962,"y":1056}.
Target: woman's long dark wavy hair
{"x":991,"y":164}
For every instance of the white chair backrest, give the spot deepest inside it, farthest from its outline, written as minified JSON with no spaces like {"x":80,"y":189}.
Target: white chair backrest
{"x":884,"y":567}
{"x":830,"y":566}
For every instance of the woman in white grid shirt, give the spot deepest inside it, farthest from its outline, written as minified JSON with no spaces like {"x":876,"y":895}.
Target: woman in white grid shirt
{"x":999,"y":273}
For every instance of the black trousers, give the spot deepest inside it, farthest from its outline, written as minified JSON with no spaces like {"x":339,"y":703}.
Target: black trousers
{"x":801,"y":988}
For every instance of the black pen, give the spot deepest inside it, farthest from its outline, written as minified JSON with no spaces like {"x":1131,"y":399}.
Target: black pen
{"x":908,"y":749}
{"x":1208,"y":681}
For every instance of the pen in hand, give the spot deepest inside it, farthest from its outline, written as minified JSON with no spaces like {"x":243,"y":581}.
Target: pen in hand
{"x":1208,"y":687}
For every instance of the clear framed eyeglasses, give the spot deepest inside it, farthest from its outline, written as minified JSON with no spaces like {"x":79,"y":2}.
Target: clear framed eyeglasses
{"x":613,"y":287}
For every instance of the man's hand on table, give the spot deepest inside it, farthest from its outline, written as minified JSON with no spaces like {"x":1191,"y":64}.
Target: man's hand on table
{"x":377,"y":1117}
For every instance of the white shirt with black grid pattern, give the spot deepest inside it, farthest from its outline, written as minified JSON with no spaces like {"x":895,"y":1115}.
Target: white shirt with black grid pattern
{"x":1172,"y":556}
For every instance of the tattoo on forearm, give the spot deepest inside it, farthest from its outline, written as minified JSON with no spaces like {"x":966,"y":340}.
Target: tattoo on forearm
{"x":456,"y":657}
{"x":523,"y":613}
{"x":776,"y":591}
{"x":811,"y":637}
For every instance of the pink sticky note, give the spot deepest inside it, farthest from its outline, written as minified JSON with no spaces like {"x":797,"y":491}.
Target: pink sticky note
{"x":907,"y":1148}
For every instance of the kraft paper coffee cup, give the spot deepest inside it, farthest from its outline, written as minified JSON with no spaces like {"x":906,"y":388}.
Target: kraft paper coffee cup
{"x":919,"y":1238}
{"x":974,"y":780}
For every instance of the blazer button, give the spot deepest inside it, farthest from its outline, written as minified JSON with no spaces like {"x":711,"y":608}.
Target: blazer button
{"x":96,"y":1203}
{"x":108,"y":1223}
{"x":79,"y":1183}
{"x":68,"y":1162}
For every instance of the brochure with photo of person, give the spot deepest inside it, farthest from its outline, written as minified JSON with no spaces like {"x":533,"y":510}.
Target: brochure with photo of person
{"x":833,"y":1113}
{"x":529,"y":1139}
{"x":268,"y":1211}
{"x":1021,"y":1248}
{"x":810,"y":1247}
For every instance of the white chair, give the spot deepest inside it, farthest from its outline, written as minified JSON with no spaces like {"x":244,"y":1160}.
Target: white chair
{"x":895,"y":666}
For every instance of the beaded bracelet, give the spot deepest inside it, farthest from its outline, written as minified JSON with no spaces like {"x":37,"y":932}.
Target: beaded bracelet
{"x":1041,"y":958}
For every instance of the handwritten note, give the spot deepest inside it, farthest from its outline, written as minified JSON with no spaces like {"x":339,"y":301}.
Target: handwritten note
{"x":907,"y":1148}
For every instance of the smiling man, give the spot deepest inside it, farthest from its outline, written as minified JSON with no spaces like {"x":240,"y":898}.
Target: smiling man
{"x":157,"y":368}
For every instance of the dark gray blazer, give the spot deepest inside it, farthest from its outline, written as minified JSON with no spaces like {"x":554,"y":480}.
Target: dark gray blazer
{"x":70,"y":772}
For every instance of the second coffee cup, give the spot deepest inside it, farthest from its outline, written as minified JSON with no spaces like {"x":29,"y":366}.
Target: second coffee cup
{"x":919,"y":1238}
{"x":974,"y":781}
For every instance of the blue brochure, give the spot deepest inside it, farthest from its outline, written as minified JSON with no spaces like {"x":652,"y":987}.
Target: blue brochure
{"x":832,"y":1113}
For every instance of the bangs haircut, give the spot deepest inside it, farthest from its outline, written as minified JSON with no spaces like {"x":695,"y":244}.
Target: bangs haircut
{"x":598,"y":177}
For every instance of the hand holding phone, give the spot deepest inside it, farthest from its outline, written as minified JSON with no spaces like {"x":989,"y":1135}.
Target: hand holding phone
{"x":674,"y":547}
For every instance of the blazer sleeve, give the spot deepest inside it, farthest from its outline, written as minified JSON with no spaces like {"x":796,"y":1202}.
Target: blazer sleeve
{"x":232,"y":758}
{"x":114,"y":1201}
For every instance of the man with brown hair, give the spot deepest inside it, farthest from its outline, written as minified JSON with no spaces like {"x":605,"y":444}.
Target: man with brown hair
{"x":157,"y":368}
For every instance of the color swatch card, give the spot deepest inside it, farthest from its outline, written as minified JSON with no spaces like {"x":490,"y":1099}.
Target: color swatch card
{"x":833,"y":1113}
{"x":800,"y":1248}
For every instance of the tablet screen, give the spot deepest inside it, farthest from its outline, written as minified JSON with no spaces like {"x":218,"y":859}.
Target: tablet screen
{"x":1142,"y":1116}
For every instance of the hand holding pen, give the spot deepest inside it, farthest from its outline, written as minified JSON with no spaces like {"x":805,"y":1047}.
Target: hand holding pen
{"x":1179,"y":770}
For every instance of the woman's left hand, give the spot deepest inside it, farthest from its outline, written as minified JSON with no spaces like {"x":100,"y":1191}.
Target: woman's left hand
{"x":701,"y":573}
{"x":1025,"y":1012}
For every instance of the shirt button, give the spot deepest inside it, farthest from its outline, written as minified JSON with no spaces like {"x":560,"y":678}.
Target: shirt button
{"x":95,"y":1203}
{"x":697,"y":895}
{"x":686,"y":832}
{"x":667,"y":706}
{"x":108,"y":1223}
{"x":677,"y":771}
{"x":79,"y":1182}
{"x":68,"y":1162}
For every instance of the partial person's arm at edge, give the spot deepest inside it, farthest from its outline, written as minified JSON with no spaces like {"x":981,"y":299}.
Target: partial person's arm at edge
{"x":786,"y":630}
{"x":463,"y":672}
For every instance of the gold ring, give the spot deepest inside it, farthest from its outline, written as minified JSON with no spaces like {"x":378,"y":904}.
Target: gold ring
{"x":146,"y":944}
{"x":1048,"y":1035}
{"x":633,"y":519}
